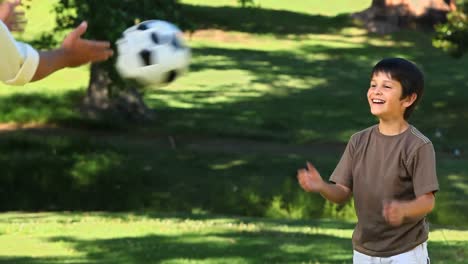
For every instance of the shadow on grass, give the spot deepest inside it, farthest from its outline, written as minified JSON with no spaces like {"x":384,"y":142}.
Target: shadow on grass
{"x":226,"y":247}
{"x":63,"y":172}
{"x":30,"y":107}
{"x":448,"y":252}
{"x":261,"y":20}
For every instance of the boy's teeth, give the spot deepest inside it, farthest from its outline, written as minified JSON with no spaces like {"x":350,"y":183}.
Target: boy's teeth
{"x":378,"y":101}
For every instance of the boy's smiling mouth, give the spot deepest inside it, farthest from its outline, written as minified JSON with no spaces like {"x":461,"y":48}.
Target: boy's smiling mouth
{"x":378,"y":101}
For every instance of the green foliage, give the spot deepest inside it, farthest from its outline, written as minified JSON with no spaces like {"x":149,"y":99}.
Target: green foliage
{"x":339,"y":211}
{"x":452,"y":37}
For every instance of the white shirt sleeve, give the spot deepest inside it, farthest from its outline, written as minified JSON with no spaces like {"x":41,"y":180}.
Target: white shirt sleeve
{"x":18,"y":61}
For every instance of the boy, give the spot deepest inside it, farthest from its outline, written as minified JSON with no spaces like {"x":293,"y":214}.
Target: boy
{"x":390,"y":170}
{"x":20,"y":63}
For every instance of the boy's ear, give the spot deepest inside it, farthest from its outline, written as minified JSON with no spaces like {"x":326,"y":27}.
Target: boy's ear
{"x":409,"y":100}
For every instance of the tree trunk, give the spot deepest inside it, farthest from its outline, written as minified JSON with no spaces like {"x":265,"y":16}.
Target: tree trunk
{"x":385,"y":16}
{"x":105,"y":100}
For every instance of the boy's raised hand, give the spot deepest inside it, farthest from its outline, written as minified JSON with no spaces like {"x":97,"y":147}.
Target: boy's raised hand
{"x":78,"y":51}
{"x":393,"y":212}
{"x":12,"y":18}
{"x":310,"y":179}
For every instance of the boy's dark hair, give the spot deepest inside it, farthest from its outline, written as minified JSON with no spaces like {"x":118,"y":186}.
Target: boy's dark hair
{"x":409,"y":76}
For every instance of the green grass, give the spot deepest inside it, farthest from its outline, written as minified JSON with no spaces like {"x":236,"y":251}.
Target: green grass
{"x":331,"y":8}
{"x":170,"y":238}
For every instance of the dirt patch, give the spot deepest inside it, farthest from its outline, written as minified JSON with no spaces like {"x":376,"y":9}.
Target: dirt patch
{"x":199,"y":144}
{"x":219,"y":36}
{"x":6,"y":127}
{"x":208,"y":144}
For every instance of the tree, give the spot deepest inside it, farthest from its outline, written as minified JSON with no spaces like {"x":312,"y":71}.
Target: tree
{"x":107,"y":93}
{"x":385,"y":16}
{"x":452,"y":37}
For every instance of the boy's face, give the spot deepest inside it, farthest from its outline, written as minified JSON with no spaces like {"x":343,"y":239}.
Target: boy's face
{"x":384,"y":97}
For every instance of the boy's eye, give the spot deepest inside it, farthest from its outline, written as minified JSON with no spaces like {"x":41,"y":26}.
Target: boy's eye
{"x":373,"y":85}
{"x":386,"y":86}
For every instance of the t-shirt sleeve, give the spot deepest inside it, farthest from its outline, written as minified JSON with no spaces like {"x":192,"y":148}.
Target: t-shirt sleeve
{"x":343,"y":172}
{"x":19,"y":61}
{"x":424,"y":170}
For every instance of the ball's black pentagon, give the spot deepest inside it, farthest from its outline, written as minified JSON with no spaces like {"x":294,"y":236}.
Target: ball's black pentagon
{"x":145,"y":55}
{"x":155,"y":38}
{"x":143,"y":26}
{"x":176,"y":43}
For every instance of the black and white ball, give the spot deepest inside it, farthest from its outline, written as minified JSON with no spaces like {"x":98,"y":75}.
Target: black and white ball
{"x":153,"y":53}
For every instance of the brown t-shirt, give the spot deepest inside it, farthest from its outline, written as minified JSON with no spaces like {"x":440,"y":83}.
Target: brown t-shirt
{"x":380,"y":168}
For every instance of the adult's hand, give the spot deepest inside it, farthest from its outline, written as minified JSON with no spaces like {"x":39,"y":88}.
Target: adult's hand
{"x":78,"y":51}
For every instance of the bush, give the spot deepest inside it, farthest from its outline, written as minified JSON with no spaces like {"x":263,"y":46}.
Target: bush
{"x":452,"y":37}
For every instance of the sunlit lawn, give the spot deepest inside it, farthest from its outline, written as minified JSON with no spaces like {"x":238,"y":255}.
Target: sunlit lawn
{"x":148,"y":238}
{"x":330,"y":8}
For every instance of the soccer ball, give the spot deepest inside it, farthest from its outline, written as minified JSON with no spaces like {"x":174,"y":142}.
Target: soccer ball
{"x":153,"y":53}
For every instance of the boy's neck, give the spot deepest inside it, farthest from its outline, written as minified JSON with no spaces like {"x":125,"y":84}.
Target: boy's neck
{"x":392,"y":127}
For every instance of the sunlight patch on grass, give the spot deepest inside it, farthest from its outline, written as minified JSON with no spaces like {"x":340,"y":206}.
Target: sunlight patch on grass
{"x":356,"y":40}
{"x":439,"y":104}
{"x":307,"y":135}
{"x":60,"y":82}
{"x":210,"y":87}
{"x":215,"y":62}
{"x":459,"y":182}
{"x":288,"y":43}
{"x":331,"y":8}
{"x":236,"y":40}
{"x":207,"y":260}
{"x":286,"y":84}
{"x":228,"y":165}
{"x":316,"y":230}
{"x":35,"y":246}
{"x":334,"y":42}
{"x":294,"y":248}
{"x":445,"y":235}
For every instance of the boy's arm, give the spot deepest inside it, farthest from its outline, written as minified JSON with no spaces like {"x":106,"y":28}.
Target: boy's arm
{"x":395,"y":212}
{"x":311,"y":181}
{"x":74,"y":51}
